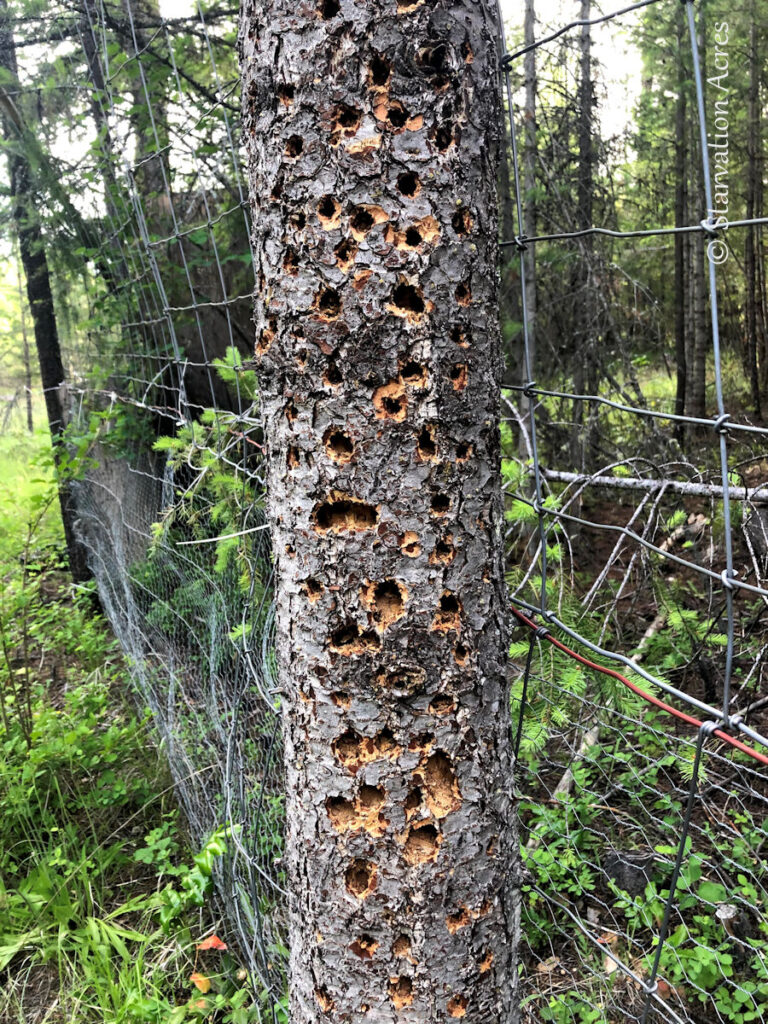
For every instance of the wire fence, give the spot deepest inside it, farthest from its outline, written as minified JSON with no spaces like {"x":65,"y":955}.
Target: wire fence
{"x":642,"y":791}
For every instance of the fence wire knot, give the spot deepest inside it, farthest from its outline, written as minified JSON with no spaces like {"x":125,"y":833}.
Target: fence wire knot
{"x":710,"y":228}
{"x":720,"y":425}
{"x":728,"y":576}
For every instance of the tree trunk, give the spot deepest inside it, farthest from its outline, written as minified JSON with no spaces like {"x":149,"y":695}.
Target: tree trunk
{"x":680,"y":220}
{"x":529,"y":187}
{"x":584,"y":353}
{"x":373,"y":134}
{"x":25,"y":353}
{"x":696,"y":402}
{"x":754,"y":184}
{"x":40,"y":297}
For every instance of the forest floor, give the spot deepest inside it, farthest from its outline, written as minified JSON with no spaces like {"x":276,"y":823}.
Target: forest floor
{"x":104,"y":909}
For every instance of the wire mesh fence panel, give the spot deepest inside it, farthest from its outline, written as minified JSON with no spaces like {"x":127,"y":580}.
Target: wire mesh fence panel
{"x":637,"y":535}
{"x":639,"y":583}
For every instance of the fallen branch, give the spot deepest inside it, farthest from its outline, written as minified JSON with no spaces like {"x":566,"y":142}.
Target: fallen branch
{"x":630,"y":483}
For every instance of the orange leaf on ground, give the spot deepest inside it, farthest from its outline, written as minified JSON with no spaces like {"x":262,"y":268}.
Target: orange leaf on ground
{"x":200,"y":982}
{"x":212,"y":942}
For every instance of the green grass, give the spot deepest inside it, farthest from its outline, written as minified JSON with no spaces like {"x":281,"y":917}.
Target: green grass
{"x":102,"y":903}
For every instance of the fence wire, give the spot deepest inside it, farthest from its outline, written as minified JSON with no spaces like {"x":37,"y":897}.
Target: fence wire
{"x":644,"y":818}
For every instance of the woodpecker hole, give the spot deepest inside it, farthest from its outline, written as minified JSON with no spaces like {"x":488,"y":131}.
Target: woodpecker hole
{"x":460,"y":654}
{"x":328,"y":9}
{"x":362,"y":815}
{"x":390,"y":402}
{"x":455,"y":922}
{"x":406,"y":6}
{"x":291,"y":263}
{"x":486,"y":962}
{"x":427,"y":446}
{"x":341,"y":514}
{"x":332,"y":376}
{"x":339,"y":446}
{"x":341,"y":700}
{"x":350,"y":640}
{"x":385,"y":601}
{"x":444,"y":551}
{"x":440,"y":504}
{"x":402,"y":947}
{"x":294,"y":147}
{"x":408,"y":184}
{"x":313,"y":589}
{"x":401,"y":992}
{"x":360,"y":878}
{"x":379,"y":72}
{"x":409,"y":544}
{"x":397,"y":115}
{"x":448,"y":615}
{"x":324,"y":1001}
{"x":408,"y":299}
{"x":457,"y":1006}
{"x":353,"y":750}
{"x":463,"y":294}
{"x":442,"y":705}
{"x":341,"y":813}
{"x":459,"y":376}
{"x":444,"y":137}
{"x":345,"y":253}
{"x":421,"y":844}
{"x":463,"y":451}
{"x":298,"y":219}
{"x":328,"y":305}
{"x":364,"y":218}
{"x":292,"y":459}
{"x":440,"y":786}
{"x":285,"y":93}
{"x":413,"y":374}
{"x":461,"y":222}
{"x":329,"y":212}
{"x":364,"y":947}
{"x":405,"y":681}
{"x":413,"y":238}
{"x":266,"y":338}
{"x":345,"y":123}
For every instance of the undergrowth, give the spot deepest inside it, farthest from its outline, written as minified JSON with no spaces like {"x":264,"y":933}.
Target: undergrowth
{"x":104,"y":908}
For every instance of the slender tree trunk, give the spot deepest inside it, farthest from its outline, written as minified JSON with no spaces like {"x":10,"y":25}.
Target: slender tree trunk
{"x":40,"y":297}
{"x":529,"y":185}
{"x":696,"y":400}
{"x":680,"y":220}
{"x":373,"y":133}
{"x":751,"y":241}
{"x":25,"y":352}
{"x":584,"y":372}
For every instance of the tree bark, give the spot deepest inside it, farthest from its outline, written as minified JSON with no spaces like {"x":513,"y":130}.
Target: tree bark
{"x":33,"y":260}
{"x":754,"y":184}
{"x":529,"y":190}
{"x":680,"y":220}
{"x":584,"y":355}
{"x":25,"y":354}
{"x":373,"y":135}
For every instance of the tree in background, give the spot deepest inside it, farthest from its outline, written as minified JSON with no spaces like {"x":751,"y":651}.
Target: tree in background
{"x":38,"y":281}
{"x":373,"y":136}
